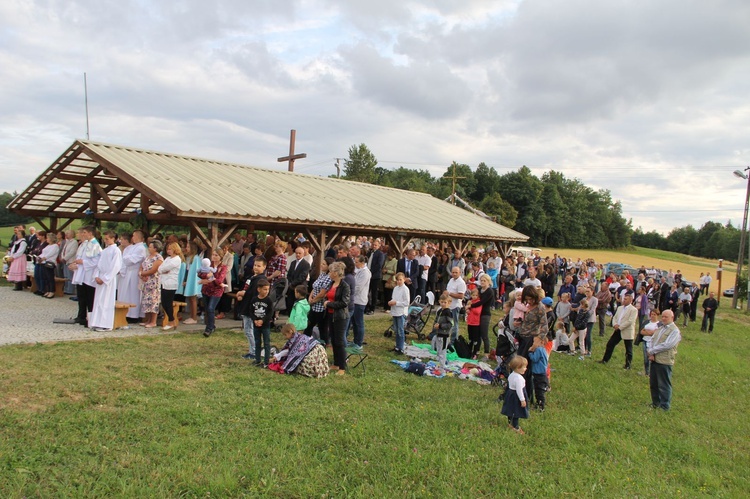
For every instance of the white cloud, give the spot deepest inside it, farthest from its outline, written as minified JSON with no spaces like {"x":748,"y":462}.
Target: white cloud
{"x":627,"y":96}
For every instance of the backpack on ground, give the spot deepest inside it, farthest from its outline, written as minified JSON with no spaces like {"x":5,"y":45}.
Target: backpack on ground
{"x":461,"y":347}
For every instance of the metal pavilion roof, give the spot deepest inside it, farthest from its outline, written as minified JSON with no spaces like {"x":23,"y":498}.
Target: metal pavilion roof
{"x":110,"y":179}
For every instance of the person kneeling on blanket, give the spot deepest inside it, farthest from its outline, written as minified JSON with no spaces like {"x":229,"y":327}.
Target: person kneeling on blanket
{"x":301,"y":354}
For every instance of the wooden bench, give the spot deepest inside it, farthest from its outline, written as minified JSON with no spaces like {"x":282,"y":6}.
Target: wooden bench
{"x":121,"y":314}
{"x":59,"y":285}
{"x":176,"y":307}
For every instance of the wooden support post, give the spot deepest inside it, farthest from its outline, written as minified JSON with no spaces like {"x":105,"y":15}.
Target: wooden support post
{"x":226,"y":235}
{"x":41,"y":224}
{"x":65,"y":225}
{"x":93,"y":202}
{"x":214,"y":227}
{"x":200,"y":234}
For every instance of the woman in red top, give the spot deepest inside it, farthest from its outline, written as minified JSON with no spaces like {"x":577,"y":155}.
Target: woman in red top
{"x":212,"y":289}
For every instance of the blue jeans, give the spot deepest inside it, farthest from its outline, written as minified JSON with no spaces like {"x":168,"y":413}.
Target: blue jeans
{"x":209,"y":309}
{"x":660,"y":381}
{"x":262,"y":337}
{"x":587,"y":341}
{"x":646,"y":362}
{"x":454,"y":331}
{"x":398,"y":328}
{"x":358,"y":319}
{"x":68,"y":274}
{"x":247,"y":325}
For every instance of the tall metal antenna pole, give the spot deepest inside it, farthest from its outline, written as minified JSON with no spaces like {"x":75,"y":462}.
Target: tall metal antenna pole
{"x":86,"y":98}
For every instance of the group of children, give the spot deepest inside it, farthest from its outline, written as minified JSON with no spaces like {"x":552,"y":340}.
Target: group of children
{"x":255,"y":306}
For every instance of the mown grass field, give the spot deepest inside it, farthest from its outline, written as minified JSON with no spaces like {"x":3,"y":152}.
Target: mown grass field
{"x":184,"y":416}
{"x":691,"y":266}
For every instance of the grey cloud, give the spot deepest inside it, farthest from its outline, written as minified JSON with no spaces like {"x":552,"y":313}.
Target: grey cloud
{"x":429,"y":90}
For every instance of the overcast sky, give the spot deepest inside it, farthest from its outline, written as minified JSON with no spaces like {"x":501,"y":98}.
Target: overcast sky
{"x":648,"y":99}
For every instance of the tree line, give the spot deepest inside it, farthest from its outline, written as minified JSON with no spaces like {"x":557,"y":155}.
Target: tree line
{"x":554,"y":211}
{"x":712,"y":240}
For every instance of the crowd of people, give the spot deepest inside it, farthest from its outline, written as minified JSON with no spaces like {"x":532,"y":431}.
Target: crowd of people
{"x":355,"y":278}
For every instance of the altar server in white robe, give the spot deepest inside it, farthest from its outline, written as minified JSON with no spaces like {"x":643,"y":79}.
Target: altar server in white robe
{"x":129,"y":284}
{"x":105,"y":277}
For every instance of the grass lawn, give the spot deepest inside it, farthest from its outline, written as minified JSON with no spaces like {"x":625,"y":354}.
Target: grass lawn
{"x":181,"y":415}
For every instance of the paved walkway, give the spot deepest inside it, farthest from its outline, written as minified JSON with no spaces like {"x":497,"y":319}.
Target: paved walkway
{"x":28,"y":318}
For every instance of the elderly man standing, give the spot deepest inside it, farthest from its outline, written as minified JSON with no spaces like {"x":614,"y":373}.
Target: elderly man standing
{"x":662,"y":353}
{"x":456,"y":289}
{"x":624,"y":322}
{"x":709,"y":312}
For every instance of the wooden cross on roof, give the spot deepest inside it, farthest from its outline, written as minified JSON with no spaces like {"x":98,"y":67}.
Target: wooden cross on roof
{"x":291,"y":157}
{"x":454,"y":178}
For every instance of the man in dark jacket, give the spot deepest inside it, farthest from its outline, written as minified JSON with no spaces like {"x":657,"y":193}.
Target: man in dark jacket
{"x":375,"y":262}
{"x":709,"y":312}
{"x":410,"y":267}
{"x":297,"y":274}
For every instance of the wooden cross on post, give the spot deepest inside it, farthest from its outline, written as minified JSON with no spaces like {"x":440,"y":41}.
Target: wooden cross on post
{"x":291,"y":157}
{"x":454,"y":178}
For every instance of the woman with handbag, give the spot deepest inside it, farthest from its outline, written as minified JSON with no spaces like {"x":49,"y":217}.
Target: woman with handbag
{"x":337,"y":308}
{"x":389,"y":277}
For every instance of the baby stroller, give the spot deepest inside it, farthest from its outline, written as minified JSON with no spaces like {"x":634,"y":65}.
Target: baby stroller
{"x":278,"y":296}
{"x":416,"y":320}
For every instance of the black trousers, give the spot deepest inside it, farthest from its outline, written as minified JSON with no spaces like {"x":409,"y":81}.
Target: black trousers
{"x":167,"y":299}
{"x":540,"y":388}
{"x":612,"y":343}
{"x":708,"y":317}
{"x":85,"y":300}
{"x":49,"y":279}
{"x":376,"y":283}
{"x":338,"y":340}
{"x":318,"y":319}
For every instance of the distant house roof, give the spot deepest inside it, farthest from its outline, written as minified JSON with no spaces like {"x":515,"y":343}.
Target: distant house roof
{"x":112,"y":180}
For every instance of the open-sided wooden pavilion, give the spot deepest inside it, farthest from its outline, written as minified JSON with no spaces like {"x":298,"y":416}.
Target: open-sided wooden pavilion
{"x":214,"y":199}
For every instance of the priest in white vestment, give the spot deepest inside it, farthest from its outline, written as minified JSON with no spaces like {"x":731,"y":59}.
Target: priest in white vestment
{"x":105,"y":278}
{"x":129,"y":284}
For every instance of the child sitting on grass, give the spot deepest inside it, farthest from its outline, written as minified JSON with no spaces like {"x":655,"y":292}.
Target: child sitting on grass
{"x":473,"y":318}
{"x":561,"y":343}
{"x":301,"y":308}
{"x":442,"y":329}
{"x":514,"y":404}
{"x":261,"y":312}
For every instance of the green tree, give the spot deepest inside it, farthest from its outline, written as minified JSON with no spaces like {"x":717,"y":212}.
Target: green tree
{"x":523,"y":191}
{"x":465,"y":187}
{"x":360,"y":167}
{"x":487,"y":182}
{"x":7,"y":217}
{"x":495,"y":205}
{"x":681,"y":239}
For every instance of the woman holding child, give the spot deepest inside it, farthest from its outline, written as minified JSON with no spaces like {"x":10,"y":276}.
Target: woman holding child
{"x":212,"y":290}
